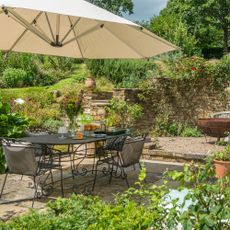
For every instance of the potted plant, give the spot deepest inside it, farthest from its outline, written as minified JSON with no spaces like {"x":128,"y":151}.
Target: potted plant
{"x":221,"y":162}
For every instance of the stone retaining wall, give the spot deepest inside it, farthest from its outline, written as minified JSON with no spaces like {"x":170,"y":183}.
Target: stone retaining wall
{"x":183,"y":103}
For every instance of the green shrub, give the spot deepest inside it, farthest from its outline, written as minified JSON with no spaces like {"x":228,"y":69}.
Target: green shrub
{"x":11,"y":125}
{"x":223,"y":155}
{"x":40,"y":70}
{"x":189,"y":131}
{"x":27,"y":62}
{"x":122,"y":73}
{"x":165,"y":127}
{"x":121,"y":113}
{"x":187,"y":68}
{"x":208,"y":198}
{"x":220,"y":72}
{"x":14,"y":78}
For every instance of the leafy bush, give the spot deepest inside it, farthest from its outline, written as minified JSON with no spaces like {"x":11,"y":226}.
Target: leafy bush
{"x":121,"y":113}
{"x":209,"y":199}
{"x":220,"y":72}
{"x":11,"y":125}
{"x":122,"y":73}
{"x":189,"y":131}
{"x":186,"y":68}
{"x":14,"y":78}
{"x":27,"y":62}
{"x":40,"y":70}
{"x":164,"y":127}
{"x":223,"y":155}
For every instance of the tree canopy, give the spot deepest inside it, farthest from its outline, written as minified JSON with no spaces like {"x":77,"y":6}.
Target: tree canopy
{"x":115,"y":6}
{"x":205,"y":22}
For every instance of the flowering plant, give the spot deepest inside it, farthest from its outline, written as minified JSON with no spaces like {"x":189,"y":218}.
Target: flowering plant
{"x":72,"y":105}
{"x":191,"y":67}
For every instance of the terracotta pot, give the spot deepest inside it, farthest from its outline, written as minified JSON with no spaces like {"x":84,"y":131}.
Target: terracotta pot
{"x":90,"y":83}
{"x":221,"y":168}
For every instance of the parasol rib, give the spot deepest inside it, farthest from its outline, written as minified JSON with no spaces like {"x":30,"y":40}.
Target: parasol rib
{"x":72,"y":26}
{"x":84,"y":34}
{"x":28,"y":26}
{"x":23,"y":33}
{"x":49,"y":25}
{"x":58,"y":21}
{"x":75,"y":35}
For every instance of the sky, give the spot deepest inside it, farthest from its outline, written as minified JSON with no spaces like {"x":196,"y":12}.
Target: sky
{"x":146,"y":9}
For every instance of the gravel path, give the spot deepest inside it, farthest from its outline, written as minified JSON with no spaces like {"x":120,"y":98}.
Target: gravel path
{"x":189,"y":145}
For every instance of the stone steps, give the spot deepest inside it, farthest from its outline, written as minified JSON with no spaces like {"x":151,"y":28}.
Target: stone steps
{"x":151,"y":153}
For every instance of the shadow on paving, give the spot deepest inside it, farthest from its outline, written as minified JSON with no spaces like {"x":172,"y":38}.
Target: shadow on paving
{"x":19,"y":190}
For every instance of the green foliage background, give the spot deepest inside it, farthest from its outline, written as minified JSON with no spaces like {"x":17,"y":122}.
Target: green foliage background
{"x":195,"y":25}
{"x":122,"y":73}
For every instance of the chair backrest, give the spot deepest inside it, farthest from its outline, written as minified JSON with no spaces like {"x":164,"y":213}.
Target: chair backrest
{"x":39,"y":151}
{"x":115,"y":143}
{"x":20,"y":157}
{"x":223,"y":114}
{"x":131,"y":152}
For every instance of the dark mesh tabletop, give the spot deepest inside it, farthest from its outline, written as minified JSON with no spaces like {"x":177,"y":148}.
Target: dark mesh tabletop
{"x":56,"y":140}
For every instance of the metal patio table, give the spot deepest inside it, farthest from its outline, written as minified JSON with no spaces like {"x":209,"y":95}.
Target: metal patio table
{"x":78,"y":156}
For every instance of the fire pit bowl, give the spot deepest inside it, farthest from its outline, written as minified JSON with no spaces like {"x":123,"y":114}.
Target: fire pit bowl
{"x":214,"y":127}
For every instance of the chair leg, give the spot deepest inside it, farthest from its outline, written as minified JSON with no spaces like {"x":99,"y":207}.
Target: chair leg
{"x":125,"y":176}
{"x":95,"y":177}
{"x":111,"y":174}
{"x":3,"y":185}
{"x":140,"y":166}
{"x":94,"y":162}
{"x":71,"y":165}
{"x":36,"y":190}
{"x":62,"y":189}
{"x":51,"y":176}
{"x":127,"y":181}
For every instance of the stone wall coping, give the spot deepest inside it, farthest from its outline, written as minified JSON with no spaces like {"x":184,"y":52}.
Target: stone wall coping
{"x":175,"y":155}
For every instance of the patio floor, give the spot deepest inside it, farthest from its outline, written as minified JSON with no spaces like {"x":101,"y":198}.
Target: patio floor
{"x":17,"y":189}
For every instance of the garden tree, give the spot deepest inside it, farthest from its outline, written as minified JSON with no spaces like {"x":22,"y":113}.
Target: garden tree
{"x":115,"y":6}
{"x":173,"y":29}
{"x":214,"y":13}
{"x":206,"y":19}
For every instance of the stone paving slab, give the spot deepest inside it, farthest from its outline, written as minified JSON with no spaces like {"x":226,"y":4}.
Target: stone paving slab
{"x":20,"y":189}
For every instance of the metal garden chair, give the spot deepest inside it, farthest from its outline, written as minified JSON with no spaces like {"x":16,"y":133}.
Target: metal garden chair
{"x":21,"y":159}
{"x":123,"y":154}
